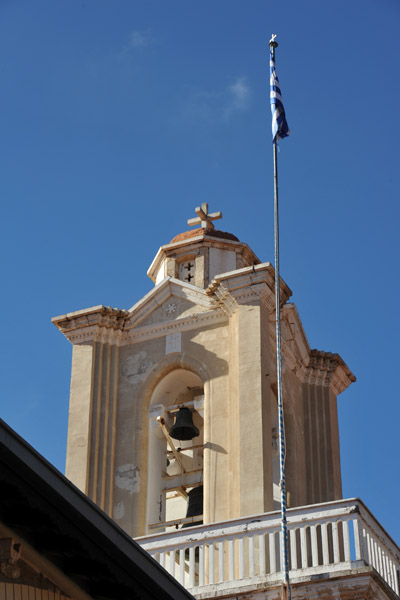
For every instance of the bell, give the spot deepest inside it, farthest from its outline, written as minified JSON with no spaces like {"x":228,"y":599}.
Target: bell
{"x":184,"y":428}
{"x":195,"y":505}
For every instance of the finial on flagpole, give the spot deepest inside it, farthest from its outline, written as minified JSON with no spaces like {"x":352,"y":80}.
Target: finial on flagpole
{"x":272,"y":41}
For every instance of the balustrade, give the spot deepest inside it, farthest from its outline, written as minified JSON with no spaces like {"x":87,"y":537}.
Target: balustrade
{"x":334,"y":536}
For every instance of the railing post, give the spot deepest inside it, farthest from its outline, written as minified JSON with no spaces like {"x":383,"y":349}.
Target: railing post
{"x":211,"y":563}
{"x":231,"y":559}
{"x":261,"y":542}
{"x":191,"y":566}
{"x":314,"y":545}
{"x":303,"y":546}
{"x":272,"y":553}
{"x":325,"y":543}
{"x":181,"y":566}
{"x":346,"y":541}
{"x":172,"y":562}
{"x":241,"y":557}
{"x":335,"y":538}
{"x":221,"y":561}
{"x":293,"y":549}
{"x":380,"y":561}
{"x":359,"y":539}
{"x":251,"y":556}
{"x":201,"y":564}
{"x":372,"y":552}
{"x":396,"y":578}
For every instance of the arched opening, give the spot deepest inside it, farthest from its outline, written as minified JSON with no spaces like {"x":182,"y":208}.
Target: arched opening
{"x":175,"y":467}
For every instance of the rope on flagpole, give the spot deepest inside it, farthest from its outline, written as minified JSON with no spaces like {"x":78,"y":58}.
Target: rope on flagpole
{"x":286,"y":591}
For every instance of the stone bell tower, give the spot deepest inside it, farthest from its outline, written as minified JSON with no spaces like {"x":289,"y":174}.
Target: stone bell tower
{"x":203,"y":338}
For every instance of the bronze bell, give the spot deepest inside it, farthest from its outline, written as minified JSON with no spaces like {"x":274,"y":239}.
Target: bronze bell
{"x":184,"y":428}
{"x":195,"y":505}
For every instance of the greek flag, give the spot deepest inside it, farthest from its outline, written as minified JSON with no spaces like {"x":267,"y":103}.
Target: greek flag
{"x":280,"y":128}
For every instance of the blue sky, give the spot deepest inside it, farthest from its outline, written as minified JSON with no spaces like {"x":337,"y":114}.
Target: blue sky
{"x":119,"y":117}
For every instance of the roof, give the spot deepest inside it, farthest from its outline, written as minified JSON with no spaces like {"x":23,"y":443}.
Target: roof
{"x":74,"y":535}
{"x":212,"y":232}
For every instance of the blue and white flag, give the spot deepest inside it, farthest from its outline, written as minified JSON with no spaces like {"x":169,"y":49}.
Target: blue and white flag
{"x":280,"y":128}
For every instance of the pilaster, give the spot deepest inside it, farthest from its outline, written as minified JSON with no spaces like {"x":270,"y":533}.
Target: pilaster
{"x":103,"y":425}
{"x":250,"y":414}
{"x":324,"y":377}
{"x":79,"y":422}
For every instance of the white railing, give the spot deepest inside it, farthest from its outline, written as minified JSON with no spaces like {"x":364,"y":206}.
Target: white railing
{"x":242,"y":553}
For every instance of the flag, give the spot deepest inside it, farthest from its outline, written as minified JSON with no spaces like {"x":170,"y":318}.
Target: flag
{"x":280,"y":128}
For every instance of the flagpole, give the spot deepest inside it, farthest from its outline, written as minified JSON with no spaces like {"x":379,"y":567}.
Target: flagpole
{"x":286,"y":591}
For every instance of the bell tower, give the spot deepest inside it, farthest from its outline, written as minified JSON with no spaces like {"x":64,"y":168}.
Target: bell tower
{"x":200,"y":346}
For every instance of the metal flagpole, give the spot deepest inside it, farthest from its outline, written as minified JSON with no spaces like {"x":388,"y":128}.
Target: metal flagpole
{"x":286,"y":592}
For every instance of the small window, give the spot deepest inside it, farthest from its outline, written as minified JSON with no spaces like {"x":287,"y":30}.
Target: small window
{"x":186,"y":271}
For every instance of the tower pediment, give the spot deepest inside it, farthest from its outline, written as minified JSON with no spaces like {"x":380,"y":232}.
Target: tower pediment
{"x":170,"y":306}
{"x":170,"y":300}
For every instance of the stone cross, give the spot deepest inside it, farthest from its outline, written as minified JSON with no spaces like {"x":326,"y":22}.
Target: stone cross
{"x":190,"y":268}
{"x":205,"y":218}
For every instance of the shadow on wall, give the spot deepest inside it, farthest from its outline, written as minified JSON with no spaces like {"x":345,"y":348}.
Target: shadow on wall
{"x":215,"y":447}
{"x":216,"y":366}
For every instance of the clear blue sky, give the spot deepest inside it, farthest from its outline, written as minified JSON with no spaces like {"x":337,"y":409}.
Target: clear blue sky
{"x":118,"y":117}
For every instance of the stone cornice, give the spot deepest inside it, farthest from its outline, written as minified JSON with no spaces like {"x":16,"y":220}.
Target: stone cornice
{"x":225,"y":300}
{"x":247,"y":285}
{"x":98,"y":323}
{"x":327,"y":370}
{"x":108,"y":325}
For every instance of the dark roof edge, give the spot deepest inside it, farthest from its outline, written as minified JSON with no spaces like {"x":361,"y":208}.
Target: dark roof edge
{"x":45,"y":475}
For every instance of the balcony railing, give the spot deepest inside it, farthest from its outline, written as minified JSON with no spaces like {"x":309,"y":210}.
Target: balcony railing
{"x":245,"y":553}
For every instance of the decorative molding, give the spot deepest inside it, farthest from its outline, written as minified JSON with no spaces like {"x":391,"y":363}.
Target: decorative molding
{"x":110,"y":328}
{"x":268,"y":300}
{"x":246,"y":285}
{"x":81,"y":336}
{"x":226,"y":301}
{"x":104,"y":315}
{"x":255,"y":293}
{"x":100,"y":323}
{"x":114,"y":326}
{"x":327,"y":370}
{"x":187,"y":323}
{"x":108,"y":336}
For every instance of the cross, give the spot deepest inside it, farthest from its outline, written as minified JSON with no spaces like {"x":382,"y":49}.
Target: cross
{"x":189,"y":266}
{"x":204,"y":218}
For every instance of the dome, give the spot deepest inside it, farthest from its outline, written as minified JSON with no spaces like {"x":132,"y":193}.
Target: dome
{"x":196,"y":232}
